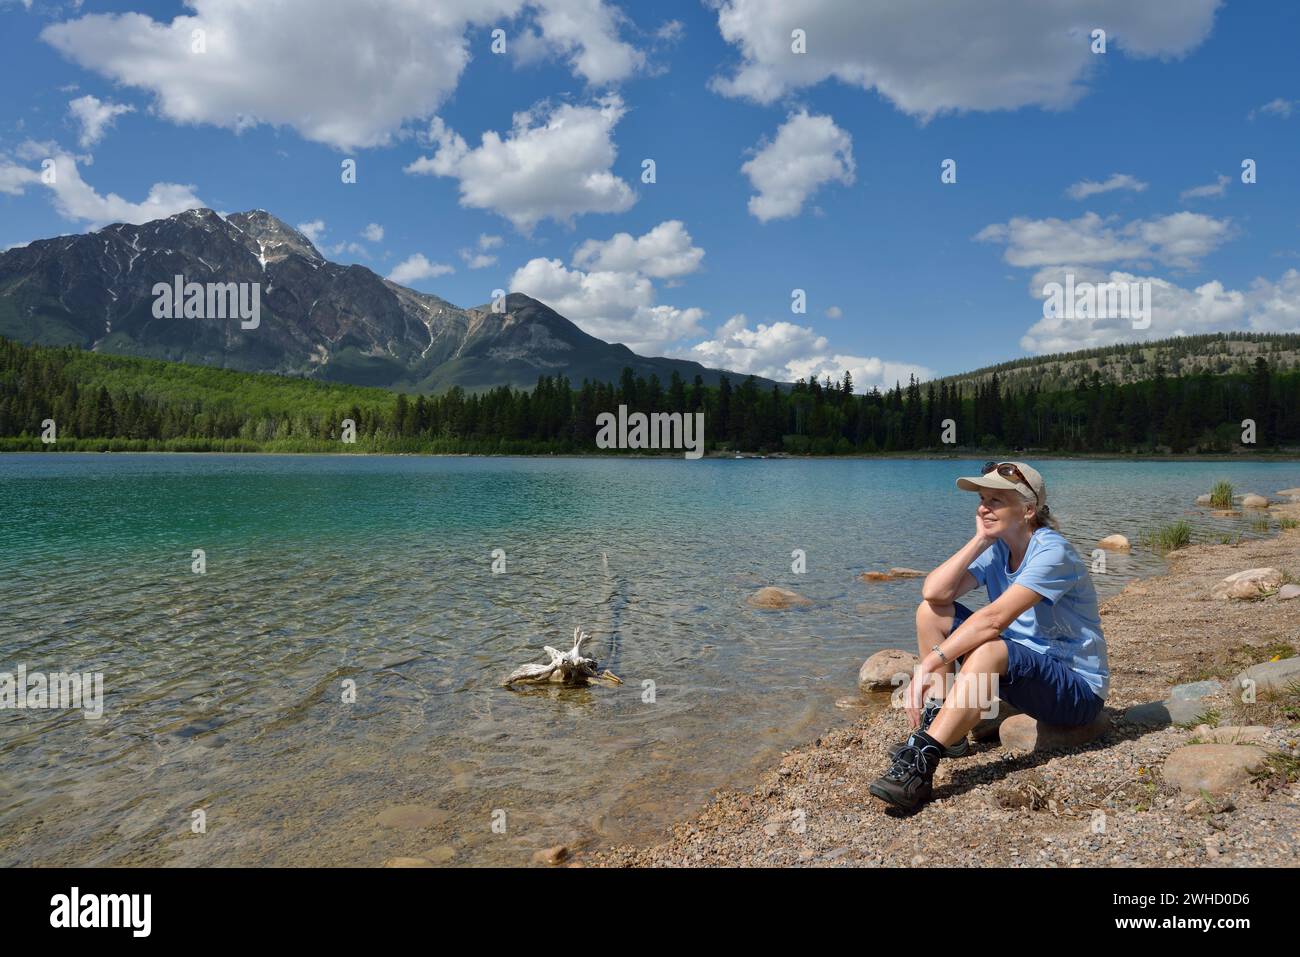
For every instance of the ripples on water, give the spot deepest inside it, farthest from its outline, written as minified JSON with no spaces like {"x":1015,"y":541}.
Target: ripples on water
{"x":223,"y":691}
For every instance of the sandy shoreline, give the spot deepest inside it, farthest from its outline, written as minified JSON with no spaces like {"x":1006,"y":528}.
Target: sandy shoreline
{"x":994,"y":808}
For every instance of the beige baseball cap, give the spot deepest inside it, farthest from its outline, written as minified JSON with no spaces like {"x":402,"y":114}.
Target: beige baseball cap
{"x":1033,"y":484}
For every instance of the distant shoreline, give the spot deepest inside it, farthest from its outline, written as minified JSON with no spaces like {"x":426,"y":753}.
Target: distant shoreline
{"x":1283,"y":456}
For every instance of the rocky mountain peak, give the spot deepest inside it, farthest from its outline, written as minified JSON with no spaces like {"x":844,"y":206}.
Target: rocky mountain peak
{"x":276,"y":238}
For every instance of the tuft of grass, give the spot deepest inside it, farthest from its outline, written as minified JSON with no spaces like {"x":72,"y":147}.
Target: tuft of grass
{"x":1169,"y":537}
{"x":1234,"y":539}
{"x":1288,"y":522}
{"x":1277,"y":770}
{"x":1221,"y":495}
{"x":1259,"y":523}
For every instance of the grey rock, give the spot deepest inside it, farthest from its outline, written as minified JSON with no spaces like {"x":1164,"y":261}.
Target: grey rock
{"x":1269,"y":676}
{"x":1216,"y":768}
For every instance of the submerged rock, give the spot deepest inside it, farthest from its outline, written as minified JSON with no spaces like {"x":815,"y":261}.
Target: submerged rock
{"x":551,"y":855}
{"x":1254,"y":500}
{"x":875,"y":577}
{"x":773,"y":598}
{"x":410,"y":817}
{"x":1225,"y":513}
{"x":907,"y":573}
{"x":1205,"y":499}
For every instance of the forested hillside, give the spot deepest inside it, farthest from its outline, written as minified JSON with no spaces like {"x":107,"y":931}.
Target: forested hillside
{"x":115,"y":402}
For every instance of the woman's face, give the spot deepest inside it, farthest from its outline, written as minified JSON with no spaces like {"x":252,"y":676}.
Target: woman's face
{"x":1000,"y":511}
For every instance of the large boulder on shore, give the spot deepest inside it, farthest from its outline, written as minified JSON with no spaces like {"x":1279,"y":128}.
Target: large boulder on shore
{"x":1254,"y":500}
{"x":1114,"y":542}
{"x":1251,"y":583}
{"x":1231,"y":734}
{"x":772,"y":598}
{"x":1022,"y":733}
{"x":877,"y":672}
{"x":987,"y":728}
{"x":1216,"y":768}
{"x":1287,"y":592}
{"x":1268,"y":676}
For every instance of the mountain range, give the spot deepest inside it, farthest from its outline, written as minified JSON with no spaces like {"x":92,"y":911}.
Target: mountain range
{"x":318,"y":318}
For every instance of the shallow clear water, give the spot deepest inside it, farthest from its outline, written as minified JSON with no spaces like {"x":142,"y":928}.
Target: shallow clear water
{"x":223,"y":691}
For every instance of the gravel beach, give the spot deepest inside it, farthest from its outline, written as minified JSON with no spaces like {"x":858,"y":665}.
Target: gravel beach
{"x":1110,"y":803}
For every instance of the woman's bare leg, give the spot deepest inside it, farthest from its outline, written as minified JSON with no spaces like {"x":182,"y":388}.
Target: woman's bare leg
{"x":933,"y":625}
{"x":971,"y":693}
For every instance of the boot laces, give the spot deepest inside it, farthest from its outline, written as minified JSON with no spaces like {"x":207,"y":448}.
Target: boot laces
{"x":910,"y":759}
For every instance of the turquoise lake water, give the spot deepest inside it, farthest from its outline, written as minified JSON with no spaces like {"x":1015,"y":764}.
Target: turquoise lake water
{"x":223,"y":691}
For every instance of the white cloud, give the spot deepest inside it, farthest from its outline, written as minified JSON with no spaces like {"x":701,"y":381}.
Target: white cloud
{"x":313,"y":230}
{"x":931,"y":56}
{"x":1216,"y":188}
{"x":1086,"y":188}
{"x":585,"y":34}
{"x":1265,"y":306}
{"x":1179,"y":239}
{"x":786,"y":351}
{"x":416,"y":267}
{"x":263,"y":61}
{"x":76,"y":200}
{"x":95,"y":117}
{"x":610,"y":292}
{"x":1277,"y":107}
{"x":614,"y":306}
{"x":671,"y":31}
{"x":664,"y":252}
{"x":373,"y":232}
{"x":808,"y":151}
{"x":834,"y":312}
{"x":553,"y":166}
{"x":480,"y":258}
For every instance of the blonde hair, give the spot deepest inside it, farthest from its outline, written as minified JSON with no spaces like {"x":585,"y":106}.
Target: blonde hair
{"x":1043,"y":517}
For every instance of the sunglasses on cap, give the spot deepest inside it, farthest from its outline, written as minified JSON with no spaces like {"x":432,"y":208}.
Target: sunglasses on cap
{"x":1008,"y":471}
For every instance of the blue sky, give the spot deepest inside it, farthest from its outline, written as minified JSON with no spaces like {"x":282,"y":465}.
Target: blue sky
{"x":775,"y":170}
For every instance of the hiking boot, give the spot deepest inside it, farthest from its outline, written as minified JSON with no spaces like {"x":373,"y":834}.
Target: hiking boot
{"x":908,"y":781}
{"x":958,"y":749}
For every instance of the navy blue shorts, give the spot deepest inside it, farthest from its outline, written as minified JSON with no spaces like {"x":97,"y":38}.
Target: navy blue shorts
{"x":1041,"y":686}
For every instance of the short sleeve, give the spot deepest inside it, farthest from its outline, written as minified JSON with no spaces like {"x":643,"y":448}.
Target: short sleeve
{"x":980,"y":566}
{"x":1051,"y":571}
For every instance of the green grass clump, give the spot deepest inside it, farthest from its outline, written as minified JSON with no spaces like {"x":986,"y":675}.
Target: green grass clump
{"x":1221,"y":495}
{"x":1288,"y":522}
{"x":1259,"y":523}
{"x":1168,"y":537}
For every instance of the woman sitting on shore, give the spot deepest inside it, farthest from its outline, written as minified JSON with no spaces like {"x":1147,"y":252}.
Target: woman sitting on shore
{"x":1037,"y":645}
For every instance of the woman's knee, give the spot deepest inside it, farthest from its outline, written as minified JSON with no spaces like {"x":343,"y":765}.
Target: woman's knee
{"x":930,"y":612}
{"x":990,"y":656}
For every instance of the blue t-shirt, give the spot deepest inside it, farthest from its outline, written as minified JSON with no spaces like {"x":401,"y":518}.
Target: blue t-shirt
{"x":1065,"y":624}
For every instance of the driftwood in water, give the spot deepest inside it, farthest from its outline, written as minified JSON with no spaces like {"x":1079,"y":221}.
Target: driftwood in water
{"x":569,"y":667}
